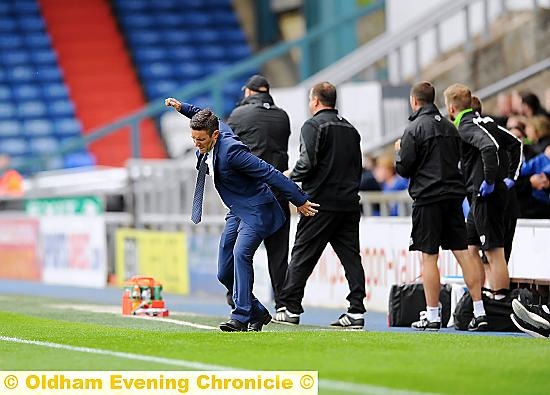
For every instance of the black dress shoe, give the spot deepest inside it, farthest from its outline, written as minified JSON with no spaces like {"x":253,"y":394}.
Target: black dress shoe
{"x":233,"y":326}
{"x":256,"y":326}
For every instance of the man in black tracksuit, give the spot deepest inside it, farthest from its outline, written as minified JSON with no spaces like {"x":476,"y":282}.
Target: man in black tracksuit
{"x":429,"y":154}
{"x":330,"y":170}
{"x":511,"y":213}
{"x":265,"y":129}
{"x":484,"y":146}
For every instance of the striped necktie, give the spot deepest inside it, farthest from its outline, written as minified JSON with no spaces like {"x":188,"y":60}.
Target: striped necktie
{"x":196,"y":210}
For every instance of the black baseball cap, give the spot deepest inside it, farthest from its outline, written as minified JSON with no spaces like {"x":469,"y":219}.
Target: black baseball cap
{"x":257,"y":83}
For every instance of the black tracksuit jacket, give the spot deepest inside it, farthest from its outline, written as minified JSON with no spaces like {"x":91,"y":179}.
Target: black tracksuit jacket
{"x":430,"y":156}
{"x":262,"y":127}
{"x":489,"y":151}
{"x":330,"y":163}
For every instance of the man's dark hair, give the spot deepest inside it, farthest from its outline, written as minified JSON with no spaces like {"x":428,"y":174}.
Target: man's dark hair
{"x":532,"y":101}
{"x":205,"y":120}
{"x":423,"y":92}
{"x":476,"y":104}
{"x":326,"y":93}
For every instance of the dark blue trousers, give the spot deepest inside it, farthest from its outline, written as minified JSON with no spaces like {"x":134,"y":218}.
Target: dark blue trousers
{"x":238,"y":244}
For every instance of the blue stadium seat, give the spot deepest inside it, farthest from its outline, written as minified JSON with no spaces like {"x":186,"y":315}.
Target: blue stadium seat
{"x":9,"y":128}
{"x":78,"y":159}
{"x":157,"y":70}
{"x":61,"y":108}
{"x":43,"y":145}
{"x":31,"y":23}
{"x":150,"y":54}
{"x":48,"y":73}
{"x":26,"y":7}
{"x":36,"y":40}
{"x":143,"y":38}
{"x":14,"y":146}
{"x":55,"y":90}
{"x":7,"y":24}
{"x":67,"y":127}
{"x":19,"y":74}
{"x":7,"y":111}
{"x":13,"y":58}
{"x":211,"y":52}
{"x":10,"y":41}
{"x":5,"y":92}
{"x":31,"y":109}
{"x":184,"y":53}
{"x":43,"y":56}
{"x":27,"y":92}
{"x":38,"y":127}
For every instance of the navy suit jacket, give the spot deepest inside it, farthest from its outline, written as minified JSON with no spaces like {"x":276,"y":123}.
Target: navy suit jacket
{"x":242,"y":180}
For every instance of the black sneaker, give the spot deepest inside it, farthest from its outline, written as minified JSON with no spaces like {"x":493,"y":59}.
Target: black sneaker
{"x":478,"y":324}
{"x":283,"y":317}
{"x":348,"y":322}
{"x":425,"y":325}
{"x":529,"y":329}
{"x":535,"y":315}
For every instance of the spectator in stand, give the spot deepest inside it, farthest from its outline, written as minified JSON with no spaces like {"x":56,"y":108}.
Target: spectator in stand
{"x":530,"y":105}
{"x":388,"y":179}
{"x":537,"y":130}
{"x":516,"y":125}
{"x":504,"y":108}
{"x":368,"y":181}
{"x":11,"y":182}
{"x":538,"y":205}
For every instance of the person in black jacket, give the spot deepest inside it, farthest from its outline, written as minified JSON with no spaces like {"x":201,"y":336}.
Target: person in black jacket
{"x":484,"y":146}
{"x":265,"y":129}
{"x":329,"y":168}
{"x":429,"y":154}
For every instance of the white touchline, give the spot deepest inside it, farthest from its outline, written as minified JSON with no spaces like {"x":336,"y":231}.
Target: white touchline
{"x":343,"y":386}
{"x":177,"y":322}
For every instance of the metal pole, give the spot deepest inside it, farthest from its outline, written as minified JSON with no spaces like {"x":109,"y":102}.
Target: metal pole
{"x":437,"y":40}
{"x":486,"y":20}
{"x":135,"y":139}
{"x":417,"y":57}
{"x":468,"y":44}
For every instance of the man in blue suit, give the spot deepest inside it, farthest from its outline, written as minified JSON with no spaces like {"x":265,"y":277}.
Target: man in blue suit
{"x":242,"y":181}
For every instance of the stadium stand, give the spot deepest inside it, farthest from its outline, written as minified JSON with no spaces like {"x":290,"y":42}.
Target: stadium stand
{"x":36,"y":113}
{"x":174,"y":43}
{"x":88,"y":42}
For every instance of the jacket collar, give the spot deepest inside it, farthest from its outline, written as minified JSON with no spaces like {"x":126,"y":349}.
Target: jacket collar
{"x":258,"y":98}
{"x":326,"y":110}
{"x":460,"y":115}
{"x":425,"y":109}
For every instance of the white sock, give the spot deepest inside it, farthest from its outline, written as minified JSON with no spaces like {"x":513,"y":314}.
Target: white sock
{"x":355,"y":316}
{"x":478,"y":308}
{"x":433,"y":314}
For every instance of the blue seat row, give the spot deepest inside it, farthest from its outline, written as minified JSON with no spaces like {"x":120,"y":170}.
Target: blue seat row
{"x":61,"y":127}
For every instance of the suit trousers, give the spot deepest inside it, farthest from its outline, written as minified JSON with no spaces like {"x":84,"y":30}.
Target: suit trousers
{"x":341,"y":230}
{"x":238,"y":244}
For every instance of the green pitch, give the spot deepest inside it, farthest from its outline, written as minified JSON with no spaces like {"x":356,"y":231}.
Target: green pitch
{"x":347,"y":361}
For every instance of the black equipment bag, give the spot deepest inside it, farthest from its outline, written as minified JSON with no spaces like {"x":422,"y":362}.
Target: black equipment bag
{"x":406,"y":301}
{"x":498,"y":311}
